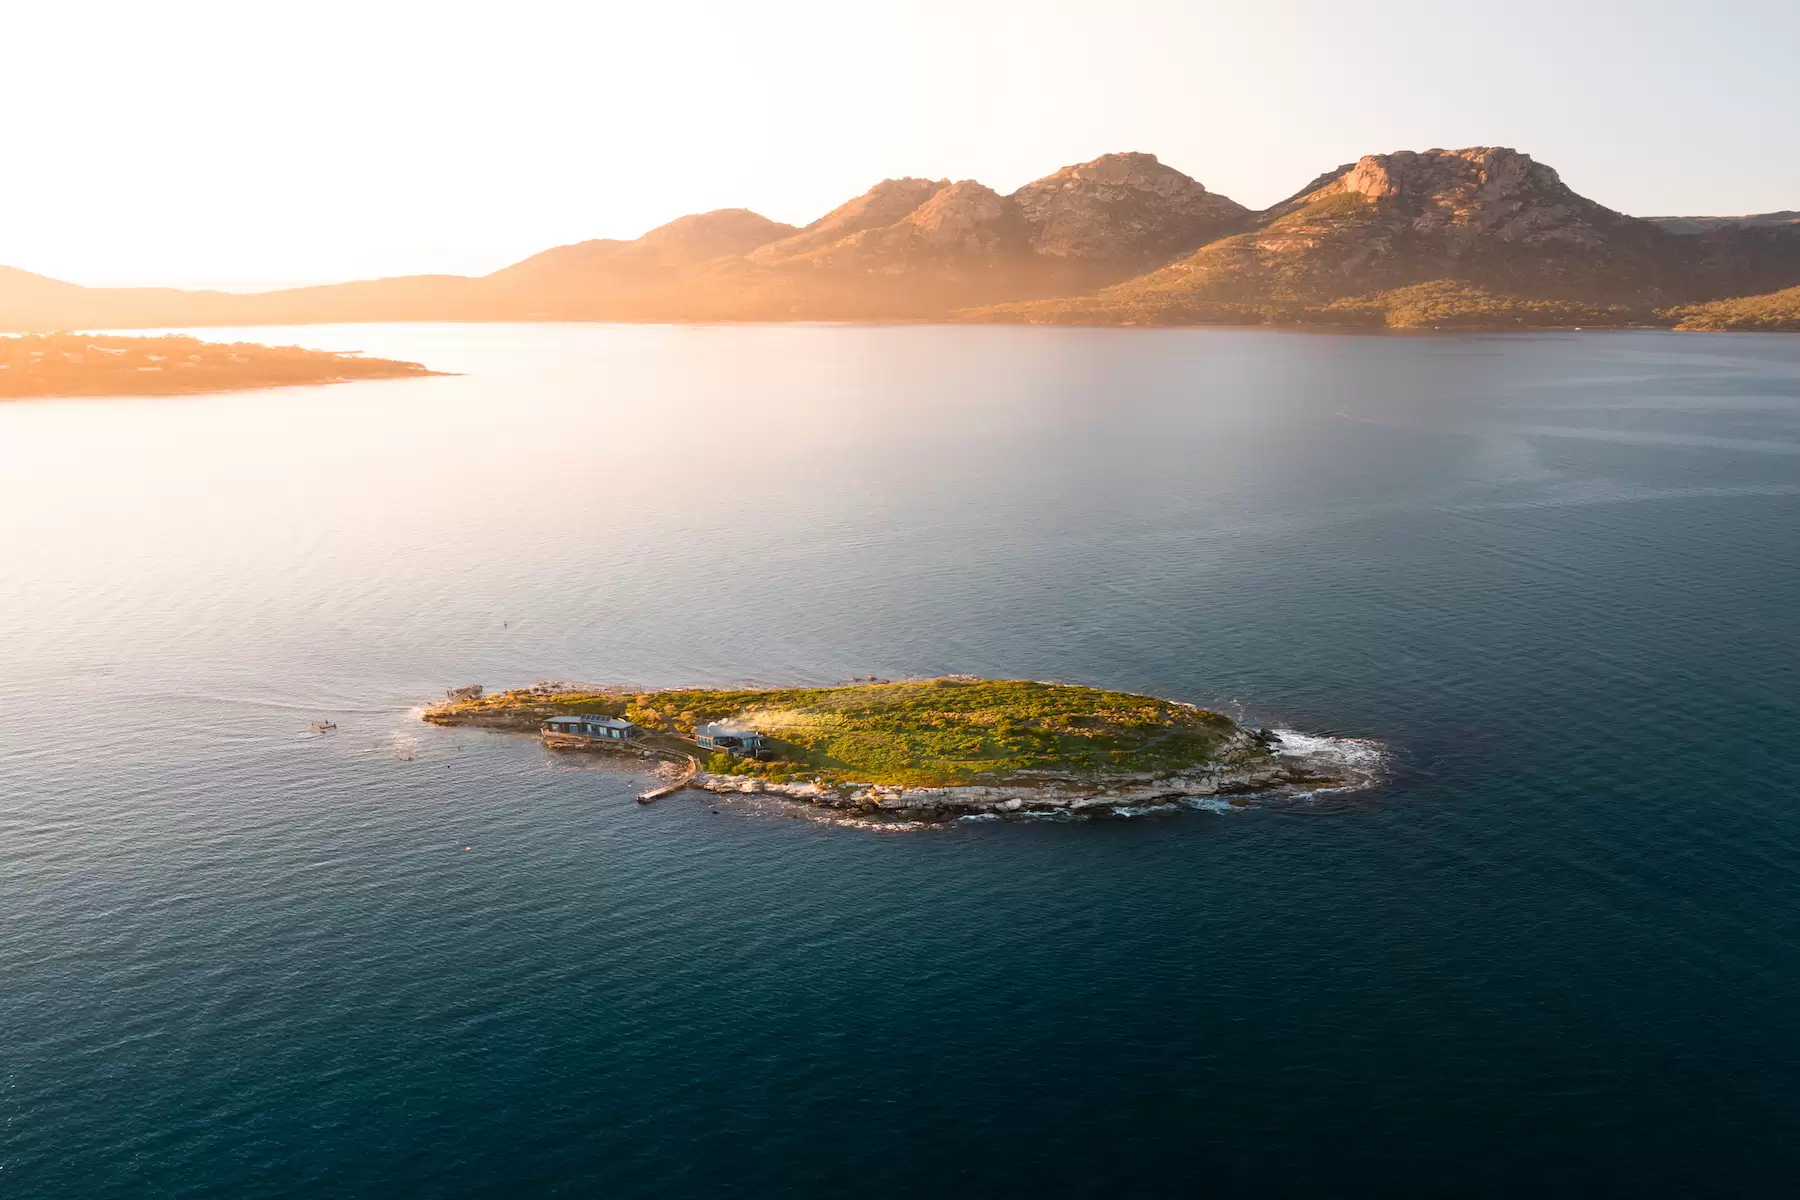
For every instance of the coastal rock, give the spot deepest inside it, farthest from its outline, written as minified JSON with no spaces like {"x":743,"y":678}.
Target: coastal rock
{"x":1049,"y":796}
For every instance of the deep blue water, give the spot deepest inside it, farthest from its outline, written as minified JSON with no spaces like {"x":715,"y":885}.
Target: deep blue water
{"x":1557,"y":953}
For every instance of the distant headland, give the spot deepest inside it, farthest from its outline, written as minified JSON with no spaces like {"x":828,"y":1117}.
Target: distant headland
{"x":926,"y":751}
{"x":1478,"y":238}
{"x":94,"y":365}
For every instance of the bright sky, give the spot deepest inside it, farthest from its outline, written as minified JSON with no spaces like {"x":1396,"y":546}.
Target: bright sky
{"x":255,"y":143}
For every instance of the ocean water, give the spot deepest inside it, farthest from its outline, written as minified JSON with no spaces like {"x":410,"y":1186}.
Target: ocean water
{"x":1556,"y":952}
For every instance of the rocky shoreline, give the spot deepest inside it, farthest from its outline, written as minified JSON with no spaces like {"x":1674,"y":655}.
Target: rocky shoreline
{"x":1243,"y":764}
{"x":1271,"y":761}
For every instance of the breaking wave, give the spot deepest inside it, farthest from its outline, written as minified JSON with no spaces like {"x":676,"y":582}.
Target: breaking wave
{"x":1356,"y":757}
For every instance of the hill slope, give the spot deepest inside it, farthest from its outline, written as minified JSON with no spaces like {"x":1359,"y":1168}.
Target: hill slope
{"x":908,"y":248}
{"x":1777,"y":312}
{"x":650,"y":276}
{"x":1487,"y":222}
{"x":1482,"y":237}
{"x":1126,"y":208}
{"x":920,"y":248}
{"x":1708,"y":224}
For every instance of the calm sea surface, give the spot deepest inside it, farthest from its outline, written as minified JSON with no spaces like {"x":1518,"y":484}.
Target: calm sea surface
{"x":1557,"y":953}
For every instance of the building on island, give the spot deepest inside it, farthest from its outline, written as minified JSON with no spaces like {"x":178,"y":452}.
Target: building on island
{"x":597,"y":728}
{"x":732,"y":740}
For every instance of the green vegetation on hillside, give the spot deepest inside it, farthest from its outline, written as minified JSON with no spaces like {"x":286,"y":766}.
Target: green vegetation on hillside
{"x":1439,"y":304}
{"x":1777,"y":312}
{"x":70,"y":364}
{"x":931,"y":733}
{"x":1449,"y":304}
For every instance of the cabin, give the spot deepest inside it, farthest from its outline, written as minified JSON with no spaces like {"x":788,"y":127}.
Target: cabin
{"x":598,"y":728}
{"x":730,"y":739}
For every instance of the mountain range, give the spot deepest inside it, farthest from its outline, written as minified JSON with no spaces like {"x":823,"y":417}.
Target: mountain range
{"x":1480,"y":237}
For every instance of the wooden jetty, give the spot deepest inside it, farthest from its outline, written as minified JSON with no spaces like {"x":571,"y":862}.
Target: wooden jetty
{"x":687,"y":777}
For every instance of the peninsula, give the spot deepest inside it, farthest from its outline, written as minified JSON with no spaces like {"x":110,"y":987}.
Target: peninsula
{"x":71,"y":364}
{"x":923,"y":751}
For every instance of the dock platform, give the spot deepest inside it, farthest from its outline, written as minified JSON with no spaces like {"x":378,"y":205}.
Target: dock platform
{"x":687,"y":777}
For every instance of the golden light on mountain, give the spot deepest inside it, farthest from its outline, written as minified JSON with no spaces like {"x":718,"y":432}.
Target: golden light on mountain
{"x":1484,"y":236}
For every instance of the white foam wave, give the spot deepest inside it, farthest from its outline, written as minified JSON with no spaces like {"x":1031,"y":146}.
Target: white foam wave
{"x":1356,"y":754}
{"x":1141,"y":810}
{"x":1214,"y":804}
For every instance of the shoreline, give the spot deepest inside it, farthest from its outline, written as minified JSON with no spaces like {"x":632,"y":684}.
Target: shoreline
{"x":216,"y":391}
{"x":114,"y":366}
{"x":1240,"y":762}
{"x":1344,"y":328}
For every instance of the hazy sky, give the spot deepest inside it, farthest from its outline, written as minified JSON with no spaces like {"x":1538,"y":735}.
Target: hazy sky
{"x":252,"y":142}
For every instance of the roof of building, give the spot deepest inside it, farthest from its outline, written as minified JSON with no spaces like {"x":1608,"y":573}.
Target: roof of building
{"x":720,"y":729}
{"x":603,"y":722}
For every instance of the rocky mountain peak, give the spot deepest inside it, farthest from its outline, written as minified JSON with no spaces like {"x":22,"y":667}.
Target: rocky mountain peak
{"x":964,"y":216}
{"x":886,"y":203}
{"x":1123,"y":206}
{"x":1482,"y":236}
{"x":1132,"y":169}
{"x":708,"y":235}
{"x":956,"y":222}
{"x":1482,"y":190}
{"x":1492,"y":172}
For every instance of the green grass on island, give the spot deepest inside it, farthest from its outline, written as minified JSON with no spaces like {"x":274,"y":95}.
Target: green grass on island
{"x":934,"y":732}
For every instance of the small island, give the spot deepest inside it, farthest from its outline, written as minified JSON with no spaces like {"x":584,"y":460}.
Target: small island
{"x":923,"y":751}
{"x":70,"y":364}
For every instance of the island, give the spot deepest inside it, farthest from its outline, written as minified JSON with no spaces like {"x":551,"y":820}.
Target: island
{"x":72,"y":364}
{"x":926,"y":751}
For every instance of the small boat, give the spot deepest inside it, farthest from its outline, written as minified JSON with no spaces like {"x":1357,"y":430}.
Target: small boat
{"x":324,"y":726}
